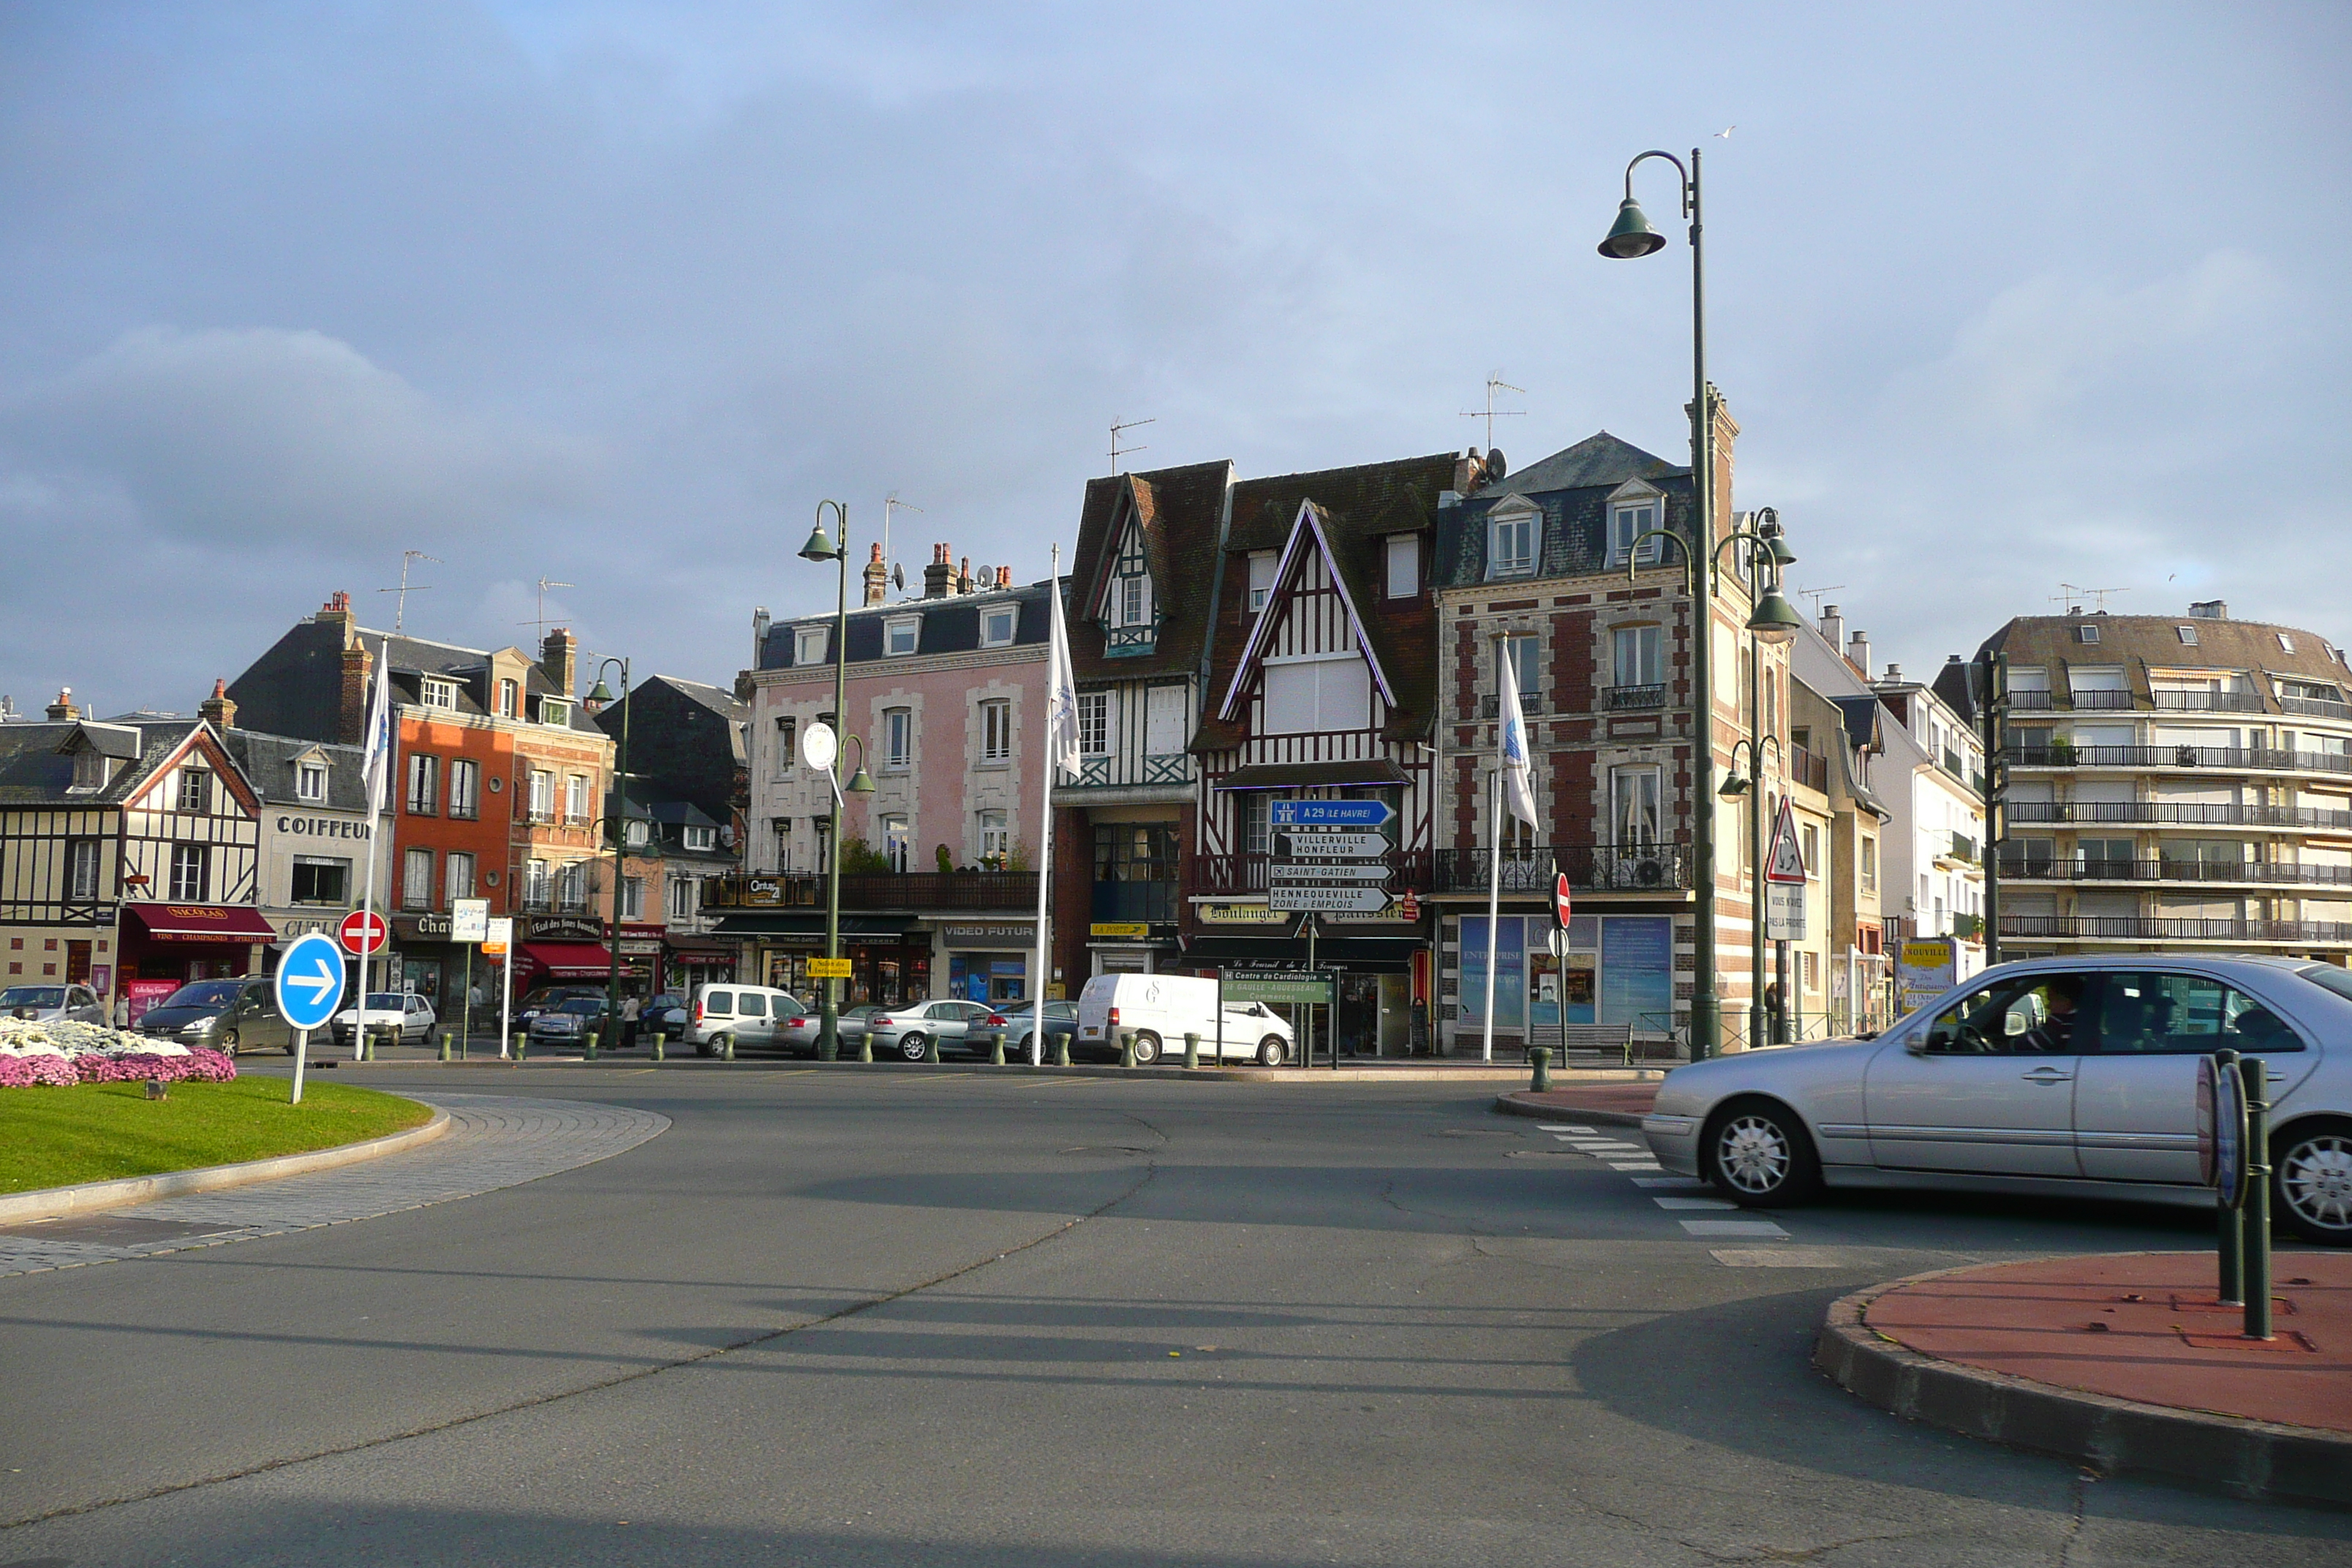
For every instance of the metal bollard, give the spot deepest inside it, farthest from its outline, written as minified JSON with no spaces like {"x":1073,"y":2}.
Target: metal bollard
{"x":932,"y":1050}
{"x":592,"y":1045}
{"x":996,"y":1057}
{"x":657,"y":1045}
{"x":727,"y":1047}
{"x":1540,"y":1058}
{"x":521,"y":1043}
{"x":1127,"y":1048}
{"x":445,"y":1045}
{"x":1191,"y":1048}
{"x":866,"y":1047}
{"x":1062,"y":1049}
{"x":2255,"y":1074}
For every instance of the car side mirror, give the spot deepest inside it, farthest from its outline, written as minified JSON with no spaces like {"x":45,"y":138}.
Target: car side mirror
{"x":1916,"y":1042}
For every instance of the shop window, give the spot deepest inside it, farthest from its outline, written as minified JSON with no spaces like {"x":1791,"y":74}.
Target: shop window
{"x":416,"y":880}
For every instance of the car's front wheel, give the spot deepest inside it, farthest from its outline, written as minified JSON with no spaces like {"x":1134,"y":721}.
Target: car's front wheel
{"x":1271,"y":1050}
{"x":1146,"y":1047}
{"x":1759,"y":1154}
{"x":2311,"y":1182}
{"x":227,"y":1046}
{"x":913,"y":1046}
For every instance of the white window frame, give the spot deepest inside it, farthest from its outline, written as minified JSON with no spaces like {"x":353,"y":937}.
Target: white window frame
{"x":464,"y":793}
{"x":1636,"y":806}
{"x":1261,"y":564}
{"x":1627,"y":521}
{"x":909,"y":627}
{"x":1257,"y":831}
{"x":555,"y":713}
{"x":2086,"y":633}
{"x":997,"y":729}
{"x":1402,"y":557}
{"x":995,"y":836}
{"x":999,"y":626}
{"x":2187,"y":634}
{"x":2286,"y":642}
{"x":898,"y":739}
{"x":1094,"y":723}
{"x":542,"y":795}
{"x":436,"y":693}
{"x":1134,"y":607}
{"x":788,"y":734}
{"x":633,"y":899}
{"x":575,"y":797}
{"x":509,"y":699}
{"x":808,"y":645}
{"x":1647,"y":665}
{"x":898,"y":836}
{"x":456,"y":875}
{"x":678,"y":898}
{"x":1525,"y":650}
{"x":700,"y":839}
{"x":538,"y":885}
{"x":310,"y":782}
{"x":1522,"y":525}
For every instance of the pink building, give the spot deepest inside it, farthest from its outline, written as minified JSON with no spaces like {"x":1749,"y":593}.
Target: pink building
{"x":939,"y":880}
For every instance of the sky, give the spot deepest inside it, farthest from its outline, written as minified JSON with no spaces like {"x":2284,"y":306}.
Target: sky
{"x":2002,"y":296}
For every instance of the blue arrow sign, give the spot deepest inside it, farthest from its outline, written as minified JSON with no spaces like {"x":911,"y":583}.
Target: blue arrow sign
{"x":1329,"y":812}
{"x":310,"y":982}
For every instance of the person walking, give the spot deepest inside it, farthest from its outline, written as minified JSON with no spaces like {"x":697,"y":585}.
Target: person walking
{"x":630,"y":1007}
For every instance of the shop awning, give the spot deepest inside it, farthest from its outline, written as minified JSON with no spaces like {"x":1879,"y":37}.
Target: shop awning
{"x":758,"y":924}
{"x":200,"y":922}
{"x":570,"y":960}
{"x":695,"y":950}
{"x":1313,"y":776}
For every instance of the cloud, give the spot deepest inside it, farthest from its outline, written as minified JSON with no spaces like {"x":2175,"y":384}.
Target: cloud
{"x":233,"y":438}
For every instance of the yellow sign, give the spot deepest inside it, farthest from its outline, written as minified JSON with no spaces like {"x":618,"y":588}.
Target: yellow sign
{"x":494,"y":950}
{"x":1119,"y":928}
{"x":828,"y":968}
{"x":1241,"y":915}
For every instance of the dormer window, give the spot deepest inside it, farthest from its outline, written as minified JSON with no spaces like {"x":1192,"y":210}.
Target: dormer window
{"x":2286,"y":642}
{"x":310,"y":782}
{"x":509,"y":699}
{"x":997,"y":626}
{"x":554,"y":712}
{"x":637,"y":835}
{"x":2086,"y":633}
{"x":900,"y":635}
{"x":1403,"y":557}
{"x":1134,"y":602}
{"x":1511,"y":543}
{"x":808,"y":645}
{"x":701,"y":839}
{"x":440,"y":693}
{"x":91,"y":770}
{"x":1628,"y":522}
{"x":1261,"y":564}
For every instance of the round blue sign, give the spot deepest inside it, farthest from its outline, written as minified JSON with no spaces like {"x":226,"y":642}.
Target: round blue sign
{"x":309,"y":981}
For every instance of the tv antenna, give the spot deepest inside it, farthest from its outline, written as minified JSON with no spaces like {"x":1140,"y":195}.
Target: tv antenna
{"x":1495,"y":383}
{"x":891,"y":503}
{"x":1817,"y":595}
{"x":2073,"y":594}
{"x":400,"y":605}
{"x":1118,"y":451}
{"x":540,"y":619}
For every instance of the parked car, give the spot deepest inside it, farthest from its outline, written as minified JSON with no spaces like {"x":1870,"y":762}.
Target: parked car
{"x":53,"y":1004}
{"x":666,"y":1016}
{"x":2071,"y":1077}
{"x":1016,"y":1023}
{"x":225,"y":1015}
{"x":910,"y":1029}
{"x":1162,"y":1008}
{"x":407,"y":1012}
{"x":542,"y":997}
{"x":750,"y":1016}
{"x":570,"y":1022}
{"x":799,"y":1031}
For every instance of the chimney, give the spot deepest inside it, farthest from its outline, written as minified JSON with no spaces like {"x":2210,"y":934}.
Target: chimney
{"x":759,"y":624}
{"x":1727,"y":435}
{"x":1857,"y":652}
{"x":877,"y":578}
{"x":1469,"y":473}
{"x":220,"y":708}
{"x":2210,"y":610}
{"x":963,"y":577}
{"x":559,"y":658}
{"x":1004,"y":577}
{"x":63,"y":711}
{"x":352,"y":701}
{"x":338,"y":608}
{"x":1833,"y":626}
{"x":1893,"y":675}
{"x":938,"y":577}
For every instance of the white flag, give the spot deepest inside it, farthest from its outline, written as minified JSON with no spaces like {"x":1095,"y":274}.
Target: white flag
{"x":375,"y":761}
{"x":1061,"y":695}
{"x":1512,"y":747}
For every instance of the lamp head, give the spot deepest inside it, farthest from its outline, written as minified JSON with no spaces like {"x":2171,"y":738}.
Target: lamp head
{"x":1778,"y":549}
{"x":1775,"y":620}
{"x":1733,"y":787}
{"x":1631,"y":234}
{"x":860,"y":782}
{"x":820,"y":545}
{"x":599,"y":694}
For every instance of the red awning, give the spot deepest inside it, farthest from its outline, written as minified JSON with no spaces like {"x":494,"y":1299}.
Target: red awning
{"x":571,"y":960}
{"x":200,"y":922}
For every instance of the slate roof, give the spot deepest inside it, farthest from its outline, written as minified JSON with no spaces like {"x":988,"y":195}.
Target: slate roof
{"x":2135,"y":642}
{"x":1183,"y":512}
{"x":37,"y":764}
{"x":1570,"y":489}
{"x":296,"y":687}
{"x":950,"y":625}
{"x":268,"y":761}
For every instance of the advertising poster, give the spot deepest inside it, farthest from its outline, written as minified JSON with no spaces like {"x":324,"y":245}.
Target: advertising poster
{"x":1637,"y":971}
{"x":1510,"y":970}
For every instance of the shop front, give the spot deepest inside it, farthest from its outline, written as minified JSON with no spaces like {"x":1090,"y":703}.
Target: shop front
{"x":697,"y":960}
{"x":989,"y":962}
{"x":890,"y":957}
{"x":569,"y":950}
{"x":179,"y":943}
{"x":1618,"y":969}
{"x":1380,"y":960}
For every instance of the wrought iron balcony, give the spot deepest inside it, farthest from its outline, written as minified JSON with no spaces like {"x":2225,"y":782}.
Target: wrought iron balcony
{"x":1612,"y":867}
{"x":2101,"y":698}
{"x":1491,"y":705}
{"x":2245,"y":759}
{"x":876,"y":891}
{"x":2251,"y":873}
{"x":2161,"y":814}
{"x":2165,"y":928}
{"x":2207,"y":701}
{"x":1632,"y":698}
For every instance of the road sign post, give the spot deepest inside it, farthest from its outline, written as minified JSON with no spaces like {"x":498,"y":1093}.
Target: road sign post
{"x":470,"y":922}
{"x":308,"y":986}
{"x":499,"y":944}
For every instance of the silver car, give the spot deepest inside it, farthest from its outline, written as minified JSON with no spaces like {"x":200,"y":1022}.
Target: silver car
{"x":52,"y":1004}
{"x":798,"y":1032}
{"x":2071,"y":1077}
{"x":910,"y":1029}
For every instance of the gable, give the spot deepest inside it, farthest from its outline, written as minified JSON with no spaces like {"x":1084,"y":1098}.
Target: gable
{"x":1308,"y":549}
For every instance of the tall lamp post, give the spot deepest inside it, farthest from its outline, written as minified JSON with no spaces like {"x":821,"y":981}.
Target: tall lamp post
{"x":1631,"y":235}
{"x":616,"y":825}
{"x":820,"y":548}
{"x":1774,"y":623}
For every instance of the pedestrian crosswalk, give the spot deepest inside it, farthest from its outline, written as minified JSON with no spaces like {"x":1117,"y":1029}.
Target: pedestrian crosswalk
{"x":1676,"y":1194}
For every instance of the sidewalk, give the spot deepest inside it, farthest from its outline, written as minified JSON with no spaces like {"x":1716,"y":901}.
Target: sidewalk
{"x":1618,"y":1102}
{"x":2122,"y":1362}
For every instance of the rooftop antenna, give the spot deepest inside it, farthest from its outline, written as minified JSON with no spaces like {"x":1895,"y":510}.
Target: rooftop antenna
{"x":1118,"y":451}
{"x":1495,"y":383}
{"x":891,"y":503}
{"x":1817,"y":595}
{"x":400,"y":605}
{"x":2073,"y":594}
{"x":540,"y":619}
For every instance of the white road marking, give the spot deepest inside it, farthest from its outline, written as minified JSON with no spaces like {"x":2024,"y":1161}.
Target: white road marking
{"x":1682,"y":1183}
{"x":1560,"y":1127}
{"x":1693,"y":1204}
{"x":1757,"y":1228}
{"x":1636,"y":1166}
{"x":1779,"y":1257}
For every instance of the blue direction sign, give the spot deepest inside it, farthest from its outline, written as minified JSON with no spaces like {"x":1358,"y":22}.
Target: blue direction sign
{"x":1329,"y":812}
{"x":311,"y":980}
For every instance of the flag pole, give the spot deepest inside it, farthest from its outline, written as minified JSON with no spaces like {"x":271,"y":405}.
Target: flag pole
{"x":1494,"y":894}
{"x":378,"y":777}
{"x":1039,"y":986}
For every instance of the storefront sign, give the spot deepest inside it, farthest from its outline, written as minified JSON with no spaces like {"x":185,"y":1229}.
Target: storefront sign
{"x":560,"y":928}
{"x":422,"y":928}
{"x":1137,"y":929}
{"x":1313,"y":989}
{"x":641,"y":947}
{"x":828,"y":968}
{"x":322,"y":827}
{"x":993,"y":935}
{"x":1240,"y":915}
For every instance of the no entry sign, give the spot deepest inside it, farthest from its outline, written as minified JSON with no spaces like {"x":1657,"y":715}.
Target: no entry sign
{"x":363,"y":932}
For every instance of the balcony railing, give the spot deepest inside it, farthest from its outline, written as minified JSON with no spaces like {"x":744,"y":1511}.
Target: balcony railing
{"x":2249,"y":872}
{"x":2165,"y":928}
{"x":2243,"y":759}
{"x":1809,"y":770}
{"x":2316,"y":707}
{"x":1614,"y":868}
{"x":1632,"y":698}
{"x":2168,"y":812}
{"x":2102,"y":699}
{"x":2208,"y":701}
{"x":1964,"y":848}
{"x":2036,"y":701}
{"x":1239,"y":874}
{"x":876,"y":891}
{"x":1491,"y":705}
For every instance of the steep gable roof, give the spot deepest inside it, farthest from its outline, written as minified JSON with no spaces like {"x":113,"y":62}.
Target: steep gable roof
{"x":1309,"y":533}
{"x":1600,"y":458}
{"x":1181,"y":512}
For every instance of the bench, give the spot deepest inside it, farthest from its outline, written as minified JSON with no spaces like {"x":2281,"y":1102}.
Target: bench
{"x":1600,"y":1039}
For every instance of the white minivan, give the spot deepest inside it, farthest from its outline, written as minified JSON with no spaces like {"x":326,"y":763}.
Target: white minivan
{"x":1162,"y":1008}
{"x":751,"y":1015}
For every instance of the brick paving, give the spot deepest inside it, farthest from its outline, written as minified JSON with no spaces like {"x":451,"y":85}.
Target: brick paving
{"x":493,"y":1141}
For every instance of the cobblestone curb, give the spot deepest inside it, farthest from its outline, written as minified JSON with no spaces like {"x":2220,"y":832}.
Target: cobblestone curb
{"x":2248,"y":1459}
{"x":52,"y":1203}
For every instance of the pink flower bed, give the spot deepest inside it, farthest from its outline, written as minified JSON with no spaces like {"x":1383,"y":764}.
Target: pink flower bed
{"x":199,"y":1065}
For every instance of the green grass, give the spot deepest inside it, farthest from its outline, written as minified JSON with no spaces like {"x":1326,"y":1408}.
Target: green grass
{"x":100,"y":1131}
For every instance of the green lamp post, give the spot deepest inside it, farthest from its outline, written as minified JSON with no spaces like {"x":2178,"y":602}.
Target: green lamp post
{"x":820,"y":548}
{"x":615,"y":823}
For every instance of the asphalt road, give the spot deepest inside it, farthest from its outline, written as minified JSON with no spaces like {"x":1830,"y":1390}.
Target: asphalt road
{"x":982,"y":1318}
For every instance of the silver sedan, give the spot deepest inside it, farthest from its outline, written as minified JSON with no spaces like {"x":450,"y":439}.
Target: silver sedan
{"x":2071,"y":1077}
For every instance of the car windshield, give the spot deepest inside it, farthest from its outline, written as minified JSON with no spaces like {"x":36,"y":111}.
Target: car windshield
{"x":863,"y":1010}
{"x":583,"y":1004}
{"x":32,"y":997}
{"x":2325,"y":975}
{"x":203,"y":994}
{"x":386,"y":1002}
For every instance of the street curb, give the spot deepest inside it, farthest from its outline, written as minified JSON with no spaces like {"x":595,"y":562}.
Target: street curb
{"x":1469,"y":1078}
{"x":1516,"y":1103}
{"x":2256,"y":1459}
{"x":54,"y":1203}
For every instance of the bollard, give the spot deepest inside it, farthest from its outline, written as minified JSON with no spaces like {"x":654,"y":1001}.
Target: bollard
{"x":657,"y":1045}
{"x":996,"y":1057}
{"x":2231,"y":1244}
{"x":521,"y":1043}
{"x":367,"y":1049}
{"x":1127,"y":1048}
{"x":2255,"y":1074}
{"x":445,"y":1045}
{"x":1540,"y":1058}
{"x":727,"y":1047}
{"x":932,"y":1050}
{"x":866,"y":1047}
{"x":1062,"y":1049}
{"x":592,"y":1045}
{"x":1191,"y":1047}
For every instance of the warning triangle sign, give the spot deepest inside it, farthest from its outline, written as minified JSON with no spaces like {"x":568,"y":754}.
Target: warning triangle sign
{"x":1784,"y":862}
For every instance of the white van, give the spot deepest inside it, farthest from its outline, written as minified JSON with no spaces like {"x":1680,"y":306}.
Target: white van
{"x":1162,"y":1008}
{"x":752,"y":1016}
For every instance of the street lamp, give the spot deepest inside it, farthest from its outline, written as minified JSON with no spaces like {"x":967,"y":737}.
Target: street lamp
{"x":1631,"y":235}
{"x":615,"y":823}
{"x":820,"y":548}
